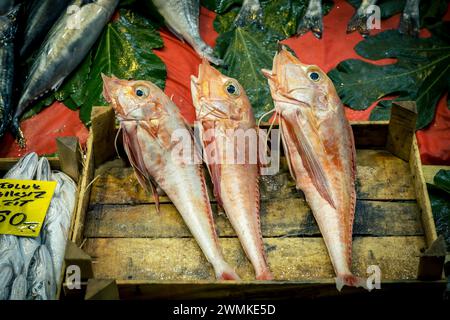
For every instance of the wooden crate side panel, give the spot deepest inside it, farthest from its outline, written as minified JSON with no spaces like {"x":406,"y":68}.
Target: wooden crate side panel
{"x":77,"y":233}
{"x":289,"y":258}
{"x":422,"y":194}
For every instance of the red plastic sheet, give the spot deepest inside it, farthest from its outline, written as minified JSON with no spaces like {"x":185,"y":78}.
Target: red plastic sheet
{"x":181,"y":62}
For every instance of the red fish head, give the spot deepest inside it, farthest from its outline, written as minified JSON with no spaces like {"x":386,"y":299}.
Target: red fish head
{"x":218,"y":97}
{"x":133,"y":100}
{"x":295,"y":84}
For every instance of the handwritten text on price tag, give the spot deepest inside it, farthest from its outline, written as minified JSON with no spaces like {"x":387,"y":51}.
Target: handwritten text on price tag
{"x":23,"y":206}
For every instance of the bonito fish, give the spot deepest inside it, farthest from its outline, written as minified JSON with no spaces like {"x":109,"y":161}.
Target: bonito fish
{"x":320,"y":150}
{"x":182,"y":18}
{"x":42,"y":14}
{"x":149,"y":120}
{"x":8,"y":29}
{"x":66,"y":45}
{"x":224,"y":112}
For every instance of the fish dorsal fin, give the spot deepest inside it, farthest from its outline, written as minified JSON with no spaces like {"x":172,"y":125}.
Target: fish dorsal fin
{"x":144,"y":180}
{"x":293,"y":132}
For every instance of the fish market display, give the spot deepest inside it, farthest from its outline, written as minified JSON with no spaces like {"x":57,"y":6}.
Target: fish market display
{"x":65,"y":46}
{"x":182,"y":18}
{"x":42,"y":14}
{"x":30,"y":268}
{"x":320,"y":150}
{"x":148,"y":120}
{"x":223,"y":112}
{"x":8,"y":29}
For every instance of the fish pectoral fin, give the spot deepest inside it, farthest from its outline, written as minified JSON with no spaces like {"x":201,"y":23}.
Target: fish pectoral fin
{"x":146,"y":182}
{"x":295,"y":134}
{"x":214,"y":168}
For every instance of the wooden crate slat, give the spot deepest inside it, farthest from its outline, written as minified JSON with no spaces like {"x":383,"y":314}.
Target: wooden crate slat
{"x":167,"y":259}
{"x":380,"y":176}
{"x":289,"y":217}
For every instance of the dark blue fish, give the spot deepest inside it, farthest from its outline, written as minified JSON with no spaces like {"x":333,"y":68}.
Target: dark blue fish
{"x":8,"y":30}
{"x":41,"y":17}
{"x":66,"y":45}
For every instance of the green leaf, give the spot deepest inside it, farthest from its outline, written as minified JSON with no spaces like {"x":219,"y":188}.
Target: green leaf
{"x":382,"y":111}
{"x":246,"y":51}
{"x":124,"y":50}
{"x":442,"y":180}
{"x":73,"y":86}
{"x":439,"y":194}
{"x":249,"y":49}
{"x":420,"y":73}
{"x":280,"y":17}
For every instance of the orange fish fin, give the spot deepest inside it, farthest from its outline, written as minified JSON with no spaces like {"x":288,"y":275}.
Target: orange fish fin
{"x":146,"y":182}
{"x":294,"y":133}
{"x":214,"y":168}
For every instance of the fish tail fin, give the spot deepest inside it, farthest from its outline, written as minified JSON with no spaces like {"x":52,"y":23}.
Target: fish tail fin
{"x":225,"y":272}
{"x":350,"y":280}
{"x":265,"y":275}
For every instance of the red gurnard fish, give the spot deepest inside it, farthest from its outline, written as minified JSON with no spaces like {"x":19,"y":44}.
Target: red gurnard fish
{"x":225,"y":119}
{"x":149,"y":120}
{"x":319,"y":146}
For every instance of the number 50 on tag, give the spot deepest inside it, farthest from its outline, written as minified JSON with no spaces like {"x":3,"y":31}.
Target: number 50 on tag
{"x":23,"y":206}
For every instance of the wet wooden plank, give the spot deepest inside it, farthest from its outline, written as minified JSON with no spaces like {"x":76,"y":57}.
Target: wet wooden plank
{"x":380,"y":176}
{"x":170,"y":259}
{"x":290,"y":217}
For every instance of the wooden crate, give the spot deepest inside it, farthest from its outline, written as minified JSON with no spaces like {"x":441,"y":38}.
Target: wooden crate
{"x":138,"y":253}
{"x":69,"y":160}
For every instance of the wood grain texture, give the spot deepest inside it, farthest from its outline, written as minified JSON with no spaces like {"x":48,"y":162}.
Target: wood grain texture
{"x":380,"y":176}
{"x":286,"y":218}
{"x":421,"y":191}
{"x":289,"y":258}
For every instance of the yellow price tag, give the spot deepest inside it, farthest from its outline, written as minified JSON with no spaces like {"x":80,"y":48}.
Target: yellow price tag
{"x":23,"y":206}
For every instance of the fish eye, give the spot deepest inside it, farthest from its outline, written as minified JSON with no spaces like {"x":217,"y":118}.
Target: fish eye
{"x":141,"y":91}
{"x":232,"y":88}
{"x":314,"y":76}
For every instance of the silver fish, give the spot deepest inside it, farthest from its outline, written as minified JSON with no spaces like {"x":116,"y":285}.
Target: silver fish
{"x":28,"y":247}
{"x":182,"y":18}
{"x":57,"y":224}
{"x":66,"y":45}
{"x":19,"y":288}
{"x":25,"y":168}
{"x":11,"y":262}
{"x":6,"y":281}
{"x":41,"y":282}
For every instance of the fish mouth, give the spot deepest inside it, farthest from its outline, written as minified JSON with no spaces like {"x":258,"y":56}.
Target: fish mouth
{"x":110,"y":86}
